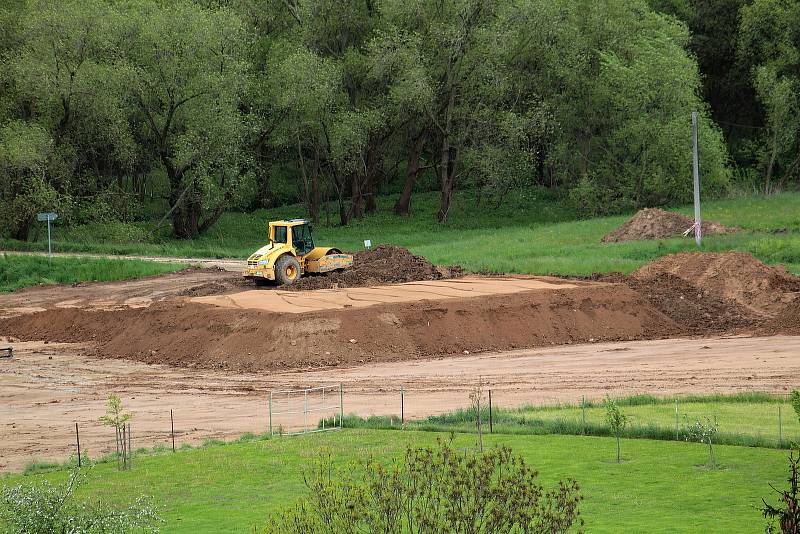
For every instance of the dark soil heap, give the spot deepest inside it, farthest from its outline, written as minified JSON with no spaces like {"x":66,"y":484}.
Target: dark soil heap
{"x":385,"y":264}
{"x":735,"y":278}
{"x":655,"y":223}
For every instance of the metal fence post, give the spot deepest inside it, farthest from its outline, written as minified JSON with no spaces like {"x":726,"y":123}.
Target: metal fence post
{"x":130,"y":448}
{"x":78,"y":439}
{"x":677,"y":437}
{"x":341,"y":406}
{"x":172,"y":428}
{"x":305,"y":410}
{"x":270,"y":413}
{"x":491,"y":426}
{"x":583,"y":412}
{"x":402,"y":405}
{"x":780,"y":429}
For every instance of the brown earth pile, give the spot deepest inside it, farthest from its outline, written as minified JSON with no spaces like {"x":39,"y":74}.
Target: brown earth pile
{"x":188,"y":334}
{"x":693,"y":308}
{"x":385,"y":264}
{"x":786,"y":322}
{"x":736,"y":279}
{"x":655,"y":223}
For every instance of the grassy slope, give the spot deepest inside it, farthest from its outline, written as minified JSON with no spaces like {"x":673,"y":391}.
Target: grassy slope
{"x":660,"y":487}
{"x":18,"y":271}
{"x":530,"y":233}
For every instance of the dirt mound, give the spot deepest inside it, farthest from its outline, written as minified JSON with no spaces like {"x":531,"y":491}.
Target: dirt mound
{"x":655,"y":223}
{"x":729,"y":277}
{"x":385,"y":264}
{"x":695,"y":309}
{"x":189,"y":334}
{"x":786,"y":322}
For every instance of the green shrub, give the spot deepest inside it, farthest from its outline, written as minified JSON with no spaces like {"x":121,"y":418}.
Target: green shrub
{"x":43,"y":508}
{"x":433,"y":490}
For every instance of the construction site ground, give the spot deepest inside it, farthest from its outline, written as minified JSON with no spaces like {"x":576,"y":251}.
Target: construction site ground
{"x":47,"y":388}
{"x":209,"y":346}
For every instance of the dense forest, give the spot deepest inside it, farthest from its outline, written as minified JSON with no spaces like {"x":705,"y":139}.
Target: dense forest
{"x":178,"y":111}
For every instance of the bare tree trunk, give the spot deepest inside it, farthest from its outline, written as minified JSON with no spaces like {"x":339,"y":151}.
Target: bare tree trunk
{"x":446,"y":162}
{"x":357,"y":198}
{"x":403,"y":205}
{"x":371,"y":180}
{"x":771,"y":165}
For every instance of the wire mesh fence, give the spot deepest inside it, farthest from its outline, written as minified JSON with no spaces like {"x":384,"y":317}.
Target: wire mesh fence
{"x":300,"y":411}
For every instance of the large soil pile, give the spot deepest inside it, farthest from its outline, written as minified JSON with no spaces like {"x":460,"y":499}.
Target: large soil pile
{"x":735,"y":280}
{"x":385,"y":264}
{"x":655,"y":223}
{"x":189,"y":334}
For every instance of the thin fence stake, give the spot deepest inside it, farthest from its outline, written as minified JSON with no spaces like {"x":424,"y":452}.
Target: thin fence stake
{"x":583,"y":412}
{"x":780,"y":429}
{"x":402,"y":406}
{"x":130,"y":448}
{"x":491,"y":427}
{"x":341,"y":406}
{"x":677,"y":437}
{"x":270,"y":413}
{"x":305,"y":411}
{"x":78,"y":439}
{"x":172,"y":429}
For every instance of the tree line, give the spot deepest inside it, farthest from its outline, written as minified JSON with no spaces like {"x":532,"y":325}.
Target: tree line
{"x":214,"y":105}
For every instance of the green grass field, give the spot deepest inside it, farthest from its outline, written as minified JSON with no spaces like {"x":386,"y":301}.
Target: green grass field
{"x":659,"y":487}
{"x":18,"y":270}
{"x":530,"y":233}
{"x":750,"y":419}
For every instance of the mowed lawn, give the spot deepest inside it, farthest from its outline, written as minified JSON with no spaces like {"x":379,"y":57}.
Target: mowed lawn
{"x":530,"y":233}
{"x":660,"y":486}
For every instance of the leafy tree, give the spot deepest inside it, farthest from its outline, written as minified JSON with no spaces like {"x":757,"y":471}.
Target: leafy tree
{"x":431,"y":491}
{"x":117,"y":418}
{"x":61,"y":75}
{"x":769,"y":40}
{"x":25,"y":152}
{"x":616,"y":421}
{"x":703,"y":431}
{"x":186,"y":68}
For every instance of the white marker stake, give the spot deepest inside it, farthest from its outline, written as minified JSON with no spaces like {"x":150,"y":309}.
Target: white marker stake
{"x":698,"y":228}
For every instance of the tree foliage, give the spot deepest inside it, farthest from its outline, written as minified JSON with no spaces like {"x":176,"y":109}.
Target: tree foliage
{"x":616,"y":421}
{"x":434,"y":490}
{"x":181,"y":110}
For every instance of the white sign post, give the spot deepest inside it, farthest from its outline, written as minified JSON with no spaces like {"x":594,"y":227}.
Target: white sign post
{"x":47,"y":217}
{"x":367,"y":244}
{"x":698,"y":232}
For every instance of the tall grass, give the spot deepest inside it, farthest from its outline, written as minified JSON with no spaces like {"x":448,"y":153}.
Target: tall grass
{"x":18,"y":271}
{"x":746,"y":419}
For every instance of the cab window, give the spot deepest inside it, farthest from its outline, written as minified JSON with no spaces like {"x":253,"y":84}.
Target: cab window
{"x":280,"y":234}
{"x":301,"y":239}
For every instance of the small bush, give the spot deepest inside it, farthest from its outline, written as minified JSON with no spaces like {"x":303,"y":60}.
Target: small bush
{"x":432,"y":491}
{"x":43,"y":508}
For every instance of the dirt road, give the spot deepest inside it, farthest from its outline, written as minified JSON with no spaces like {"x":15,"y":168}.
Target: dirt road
{"x":46,"y":388}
